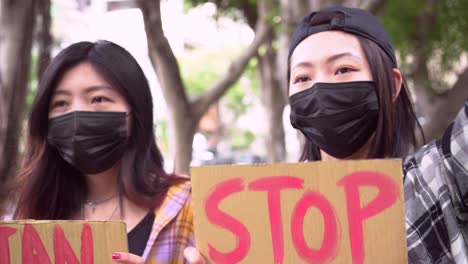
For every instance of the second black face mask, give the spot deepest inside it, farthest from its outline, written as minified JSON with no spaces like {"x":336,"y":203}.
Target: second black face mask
{"x":339,"y":118}
{"x":92,"y":142}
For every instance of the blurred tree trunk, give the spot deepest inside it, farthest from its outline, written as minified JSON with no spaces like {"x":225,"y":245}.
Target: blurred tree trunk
{"x":273,"y":94}
{"x":44,"y":37}
{"x":274,"y":98}
{"x":184,"y":113}
{"x":436,"y":110}
{"x":440,"y":110}
{"x":16,"y":35}
{"x":292,"y":13}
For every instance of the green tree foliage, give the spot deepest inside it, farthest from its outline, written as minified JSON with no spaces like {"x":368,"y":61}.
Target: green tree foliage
{"x":241,"y":139}
{"x":227,"y":7}
{"x":197,"y":75}
{"x":436,"y":29}
{"x":245,"y":10}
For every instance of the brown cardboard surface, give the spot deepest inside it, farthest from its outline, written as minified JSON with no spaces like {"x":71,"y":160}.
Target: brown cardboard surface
{"x":98,"y":238}
{"x":384,"y":239}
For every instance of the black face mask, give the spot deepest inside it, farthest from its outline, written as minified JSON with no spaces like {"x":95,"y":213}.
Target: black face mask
{"x":92,"y":142}
{"x":337,"y":117}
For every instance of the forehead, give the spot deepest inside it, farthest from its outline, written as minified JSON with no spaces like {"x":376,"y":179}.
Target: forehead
{"x":81,"y":76}
{"x":322,"y":45}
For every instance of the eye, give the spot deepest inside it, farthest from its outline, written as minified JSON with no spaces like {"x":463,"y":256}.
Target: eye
{"x":58,"y":104}
{"x":99,"y":99}
{"x":344,"y":70}
{"x":301,"y":79}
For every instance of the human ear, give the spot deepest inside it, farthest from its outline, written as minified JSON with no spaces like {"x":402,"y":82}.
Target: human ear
{"x":398,"y":83}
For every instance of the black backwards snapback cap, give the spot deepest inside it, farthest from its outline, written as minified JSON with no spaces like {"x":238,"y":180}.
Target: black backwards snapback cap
{"x":350,"y":20}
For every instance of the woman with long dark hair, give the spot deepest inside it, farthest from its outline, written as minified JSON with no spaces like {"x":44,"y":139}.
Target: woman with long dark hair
{"x":91,"y":154}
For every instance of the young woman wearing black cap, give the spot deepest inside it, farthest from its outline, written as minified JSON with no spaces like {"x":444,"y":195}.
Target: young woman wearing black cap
{"x":346,"y":94}
{"x":351,"y":102}
{"x":349,"y":99}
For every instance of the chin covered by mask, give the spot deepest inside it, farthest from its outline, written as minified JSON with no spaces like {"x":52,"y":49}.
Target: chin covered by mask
{"x":339,"y":118}
{"x":92,"y":142}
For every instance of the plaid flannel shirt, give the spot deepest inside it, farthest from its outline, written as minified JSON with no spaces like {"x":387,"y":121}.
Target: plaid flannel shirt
{"x":436,"y":197}
{"x":172,"y":230}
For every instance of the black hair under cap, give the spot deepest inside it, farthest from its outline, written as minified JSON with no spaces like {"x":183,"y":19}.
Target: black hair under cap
{"x":350,"y":20}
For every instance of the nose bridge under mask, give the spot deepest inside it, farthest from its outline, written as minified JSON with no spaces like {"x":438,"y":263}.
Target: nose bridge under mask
{"x":78,"y":104}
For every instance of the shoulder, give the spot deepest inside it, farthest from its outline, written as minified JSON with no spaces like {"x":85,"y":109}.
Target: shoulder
{"x":177,"y":205}
{"x":180,"y":192}
{"x":177,"y":196}
{"x":426,"y":159}
{"x":173,"y":226}
{"x":457,"y":141}
{"x":445,"y":156}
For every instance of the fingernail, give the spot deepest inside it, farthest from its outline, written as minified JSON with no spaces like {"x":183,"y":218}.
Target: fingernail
{"x":116,"y":256}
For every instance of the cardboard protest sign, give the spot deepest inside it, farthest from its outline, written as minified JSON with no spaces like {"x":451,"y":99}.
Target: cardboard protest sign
{"x":60,"y":242}
{"x":317,"y":212}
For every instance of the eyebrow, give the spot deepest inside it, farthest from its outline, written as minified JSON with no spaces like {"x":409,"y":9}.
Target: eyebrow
{"x":97,"y":88}
{"x":61,"y":92}
{"x":341,"y":55}
{"x":306,"y":64}
{"x":87,"y":91}
{"x":303,"y":64}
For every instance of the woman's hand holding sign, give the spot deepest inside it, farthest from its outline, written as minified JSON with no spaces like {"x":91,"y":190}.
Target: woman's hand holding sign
{"x":127,"y":258}
{"x":193,"y":256}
